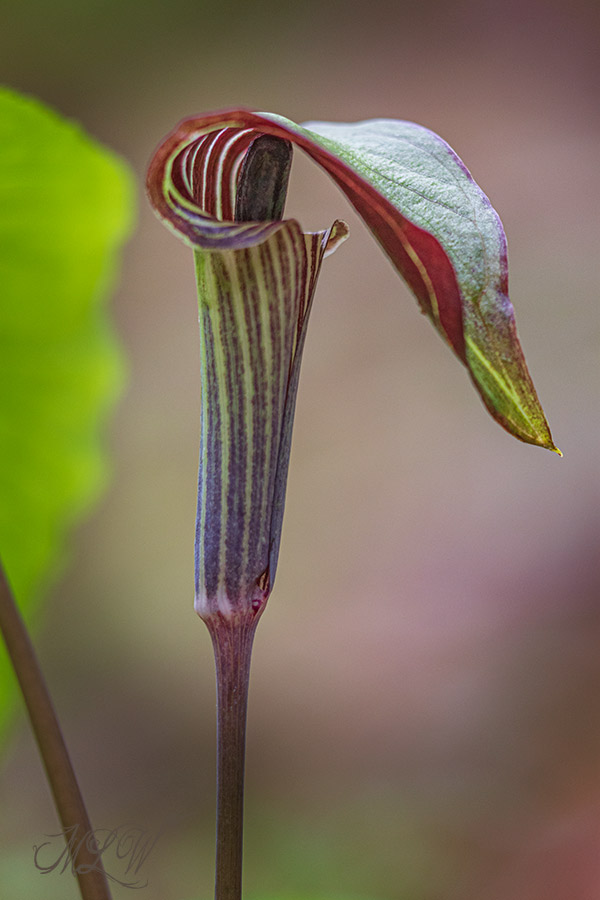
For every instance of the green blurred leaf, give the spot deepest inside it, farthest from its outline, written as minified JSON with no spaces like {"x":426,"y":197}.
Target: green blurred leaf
{"x":65,"y":209}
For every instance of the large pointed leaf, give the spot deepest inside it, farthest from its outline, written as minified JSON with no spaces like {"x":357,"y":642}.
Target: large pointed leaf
{"x":422,"y":205}
{"x":65,"y":208}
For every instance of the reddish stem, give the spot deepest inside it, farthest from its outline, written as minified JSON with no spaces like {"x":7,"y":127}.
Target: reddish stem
{"x":232,"y":639}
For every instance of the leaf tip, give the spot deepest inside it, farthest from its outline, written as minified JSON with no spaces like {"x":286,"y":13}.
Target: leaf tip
{"x":545,"y":441}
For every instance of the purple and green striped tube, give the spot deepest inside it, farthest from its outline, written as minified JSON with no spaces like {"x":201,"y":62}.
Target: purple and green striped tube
{"x":256,"y":281}
{"x":254,"y":305}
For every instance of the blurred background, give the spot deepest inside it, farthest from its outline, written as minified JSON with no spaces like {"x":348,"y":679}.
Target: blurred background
{"x":424,"y":717}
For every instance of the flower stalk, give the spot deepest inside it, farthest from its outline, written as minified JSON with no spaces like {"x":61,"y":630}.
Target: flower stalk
{"x":232,"y":639}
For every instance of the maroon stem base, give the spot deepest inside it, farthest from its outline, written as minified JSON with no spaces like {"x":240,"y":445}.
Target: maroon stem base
{"x":232,"y":639}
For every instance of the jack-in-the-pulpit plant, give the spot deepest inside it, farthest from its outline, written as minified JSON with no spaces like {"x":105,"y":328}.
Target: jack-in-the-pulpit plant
{"x":219,"y":181}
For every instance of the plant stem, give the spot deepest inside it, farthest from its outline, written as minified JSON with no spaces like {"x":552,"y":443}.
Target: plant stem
{"x":232,"y":639}
{"x":85,"y":859}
